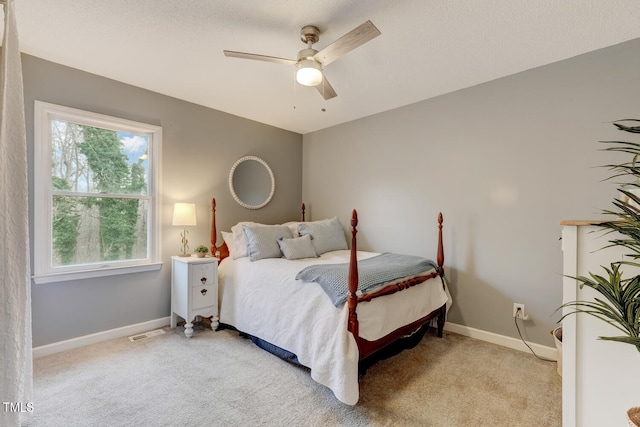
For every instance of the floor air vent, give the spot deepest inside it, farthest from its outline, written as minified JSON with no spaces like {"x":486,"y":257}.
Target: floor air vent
{"x":146,"y":335}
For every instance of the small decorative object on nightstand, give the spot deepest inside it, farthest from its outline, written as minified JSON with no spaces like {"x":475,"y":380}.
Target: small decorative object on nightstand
{"x":201,"y":251}
{"x":194,"y":290}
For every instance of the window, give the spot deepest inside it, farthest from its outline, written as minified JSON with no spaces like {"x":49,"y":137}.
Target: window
{"x":96,"y":194}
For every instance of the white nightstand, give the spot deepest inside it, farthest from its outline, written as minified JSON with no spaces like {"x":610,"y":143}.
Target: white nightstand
{"x":194,"y":290}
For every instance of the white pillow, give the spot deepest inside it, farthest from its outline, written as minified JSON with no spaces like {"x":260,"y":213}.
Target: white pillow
{"x":227,"y":236}
{"x":326,"y":235}
{"x":298,"y":247}
{"x":293,"y":225}
{"x":262,"y":240}
{"x":239,"y":242}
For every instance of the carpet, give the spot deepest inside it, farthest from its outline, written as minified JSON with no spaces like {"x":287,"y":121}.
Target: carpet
{"x":220,"y":379}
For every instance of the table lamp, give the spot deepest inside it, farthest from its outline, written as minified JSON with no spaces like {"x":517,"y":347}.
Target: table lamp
{"x":184,"y":214}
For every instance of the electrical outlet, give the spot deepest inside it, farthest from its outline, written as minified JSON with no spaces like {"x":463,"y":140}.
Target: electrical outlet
{"x":518,"y":311}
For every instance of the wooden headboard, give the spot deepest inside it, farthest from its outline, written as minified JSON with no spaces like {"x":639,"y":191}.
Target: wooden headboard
{"x":224,"y":249}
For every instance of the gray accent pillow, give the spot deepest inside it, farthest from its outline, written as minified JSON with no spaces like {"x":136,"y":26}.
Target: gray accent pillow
{"x":262,"y":240}
{"x":326,"y":235}
{"x":298,"y":247}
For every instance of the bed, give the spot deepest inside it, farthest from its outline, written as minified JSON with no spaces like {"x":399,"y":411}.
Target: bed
{"x":334,"y":333}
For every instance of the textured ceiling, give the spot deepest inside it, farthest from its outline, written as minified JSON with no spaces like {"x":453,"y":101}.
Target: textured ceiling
{"x":427,"y":48}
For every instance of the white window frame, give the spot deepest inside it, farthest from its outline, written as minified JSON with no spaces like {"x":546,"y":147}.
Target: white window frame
{"x":44,"y":272}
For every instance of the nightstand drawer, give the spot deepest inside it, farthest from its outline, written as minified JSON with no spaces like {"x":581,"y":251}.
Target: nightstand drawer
{"x":203,"y":296}
{"x":203,"y":274}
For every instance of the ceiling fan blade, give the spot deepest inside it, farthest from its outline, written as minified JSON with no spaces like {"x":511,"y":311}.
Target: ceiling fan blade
{"x":325,"y":89}
{"x":257,"y":57}
{"x":345,"y":44}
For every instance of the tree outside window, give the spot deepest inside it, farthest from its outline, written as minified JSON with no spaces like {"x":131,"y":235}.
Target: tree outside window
{"x":102,"y":204}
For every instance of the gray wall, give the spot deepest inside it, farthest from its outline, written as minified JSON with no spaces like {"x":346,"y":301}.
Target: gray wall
{"x":504,"y":161}
{"x":198,"y":149}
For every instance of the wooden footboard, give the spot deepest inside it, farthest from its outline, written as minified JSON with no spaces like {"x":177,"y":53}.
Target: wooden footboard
{"x":368,"y":348}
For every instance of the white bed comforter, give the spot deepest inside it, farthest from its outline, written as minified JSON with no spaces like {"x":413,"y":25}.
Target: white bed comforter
{"x":263,"y":299}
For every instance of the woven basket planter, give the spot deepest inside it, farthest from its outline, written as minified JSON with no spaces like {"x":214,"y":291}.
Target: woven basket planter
{"x":633,"y":416}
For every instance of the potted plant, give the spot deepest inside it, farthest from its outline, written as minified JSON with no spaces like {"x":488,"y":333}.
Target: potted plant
{"x":201,"y":251}
{"x":620,"y":306}
{"x":618,"y":303}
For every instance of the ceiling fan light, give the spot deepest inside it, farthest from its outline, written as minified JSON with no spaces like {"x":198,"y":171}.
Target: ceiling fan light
{"x":309,"y":72}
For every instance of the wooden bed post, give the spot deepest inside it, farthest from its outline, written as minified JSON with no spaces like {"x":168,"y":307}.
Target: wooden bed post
{"x":353,"y":280}
{"x":214,"y":233}
{"x":302,"y":212}
{"x":440,"y":258}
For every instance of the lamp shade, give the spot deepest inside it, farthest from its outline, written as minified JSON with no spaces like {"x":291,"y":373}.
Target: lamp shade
{"x":309,"y":72}
{"x":184,"y":214}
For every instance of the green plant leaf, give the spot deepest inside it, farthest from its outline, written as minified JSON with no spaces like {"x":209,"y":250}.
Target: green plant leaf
{"x":619,"y":307}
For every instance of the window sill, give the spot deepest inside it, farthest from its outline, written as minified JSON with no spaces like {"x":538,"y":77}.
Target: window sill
{"x":91,"y":274}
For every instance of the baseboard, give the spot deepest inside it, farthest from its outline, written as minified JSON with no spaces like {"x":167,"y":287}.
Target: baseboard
{"x":125,"y":331}
{"x":516,"y":344}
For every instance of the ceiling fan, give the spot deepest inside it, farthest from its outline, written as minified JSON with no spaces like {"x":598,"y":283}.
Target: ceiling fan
{"x":311,"y":62}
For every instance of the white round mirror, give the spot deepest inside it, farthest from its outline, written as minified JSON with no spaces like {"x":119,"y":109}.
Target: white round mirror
{"x":251,"y":182}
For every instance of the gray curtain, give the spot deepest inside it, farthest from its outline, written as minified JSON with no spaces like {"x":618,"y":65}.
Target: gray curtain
{"x":16,"y":382}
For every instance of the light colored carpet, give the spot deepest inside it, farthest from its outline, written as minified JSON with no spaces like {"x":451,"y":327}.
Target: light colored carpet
{"x":221,"y":379}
